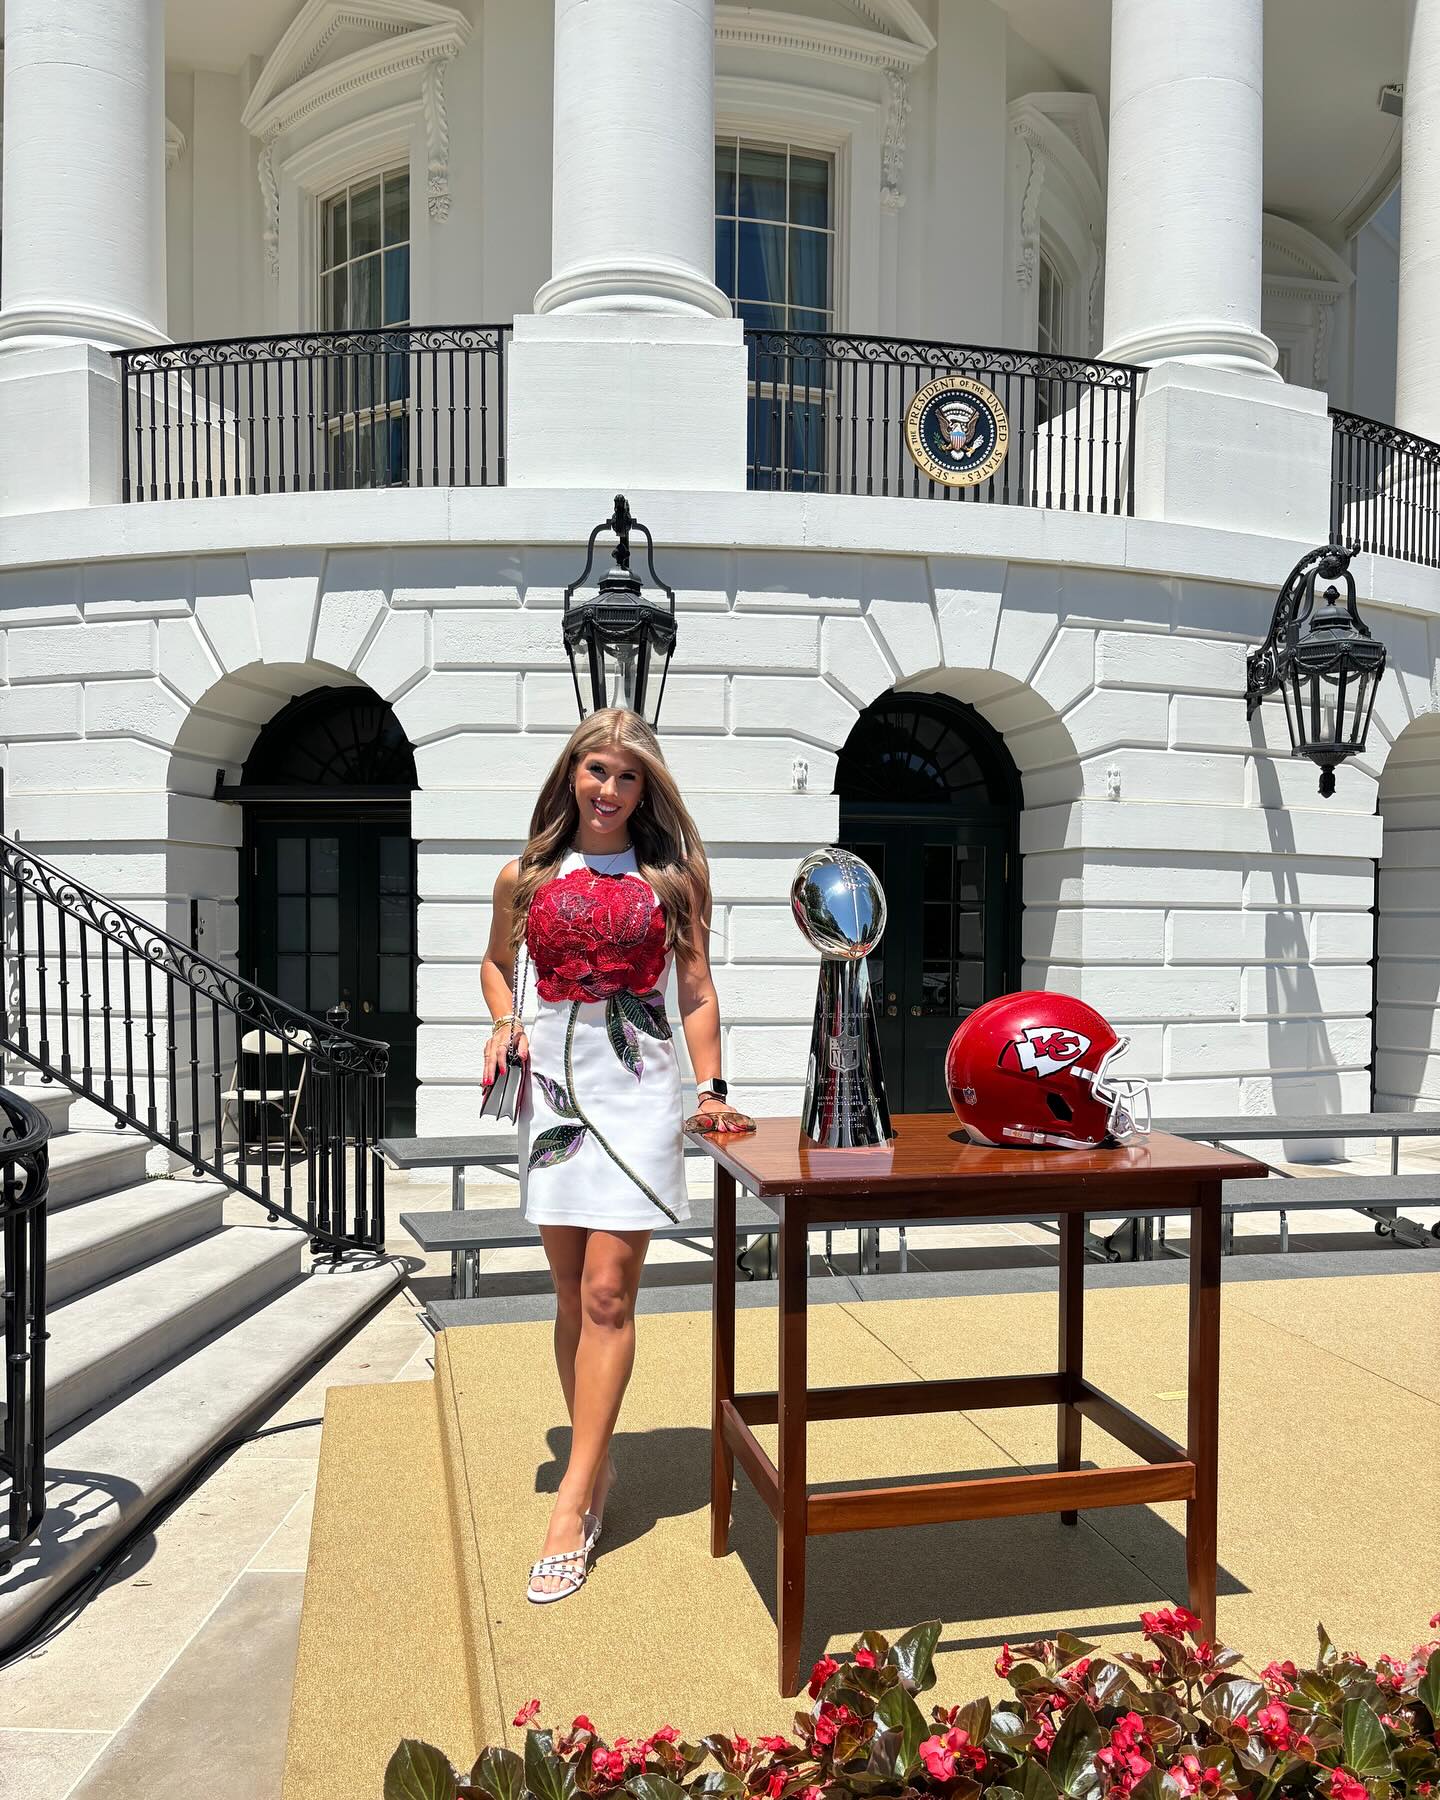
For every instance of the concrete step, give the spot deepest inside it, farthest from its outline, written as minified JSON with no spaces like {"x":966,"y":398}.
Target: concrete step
{"x":111,"y":1338}
{"x":110,"y":1470}
{"x":86,"y":1163}
{"x":382,"y":1582}
{"x":49,"y":1098}
{"x":118,"y":1232}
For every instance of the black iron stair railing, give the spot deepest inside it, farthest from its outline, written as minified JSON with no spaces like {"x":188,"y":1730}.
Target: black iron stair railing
{"x":146,"y":1028}
{"x":24,"y":1190}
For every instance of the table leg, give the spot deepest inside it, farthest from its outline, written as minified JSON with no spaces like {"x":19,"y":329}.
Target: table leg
{"x":793,"y":1406}
{"x":1203,"y":1436}
{"x":1072,"y":1345}
{"x":722,"y":1457}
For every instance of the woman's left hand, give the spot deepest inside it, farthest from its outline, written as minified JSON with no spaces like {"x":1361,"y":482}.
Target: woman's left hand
{"x":719,"y":1117}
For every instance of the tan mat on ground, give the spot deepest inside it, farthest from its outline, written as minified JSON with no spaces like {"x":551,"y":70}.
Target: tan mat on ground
{"x":1330,"y":1472}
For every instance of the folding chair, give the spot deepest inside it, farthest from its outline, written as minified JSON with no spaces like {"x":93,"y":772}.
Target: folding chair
{"x":266,"y":1044}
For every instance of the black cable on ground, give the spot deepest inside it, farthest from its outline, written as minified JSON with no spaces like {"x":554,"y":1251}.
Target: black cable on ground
{"x":69,"y":1606}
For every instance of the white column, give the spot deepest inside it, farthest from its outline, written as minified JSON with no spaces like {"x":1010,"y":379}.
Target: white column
{"x":630,"y":373}
{"x":84,"y":233}
{"x":1417,"y":355}
{"x":1182,"y":273}
{"x":633,"y":206}
{"x":84,"y":202}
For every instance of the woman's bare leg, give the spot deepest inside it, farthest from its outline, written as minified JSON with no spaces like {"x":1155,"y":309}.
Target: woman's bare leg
{"x":603,"y":1359}
{"x":565,"y":1252}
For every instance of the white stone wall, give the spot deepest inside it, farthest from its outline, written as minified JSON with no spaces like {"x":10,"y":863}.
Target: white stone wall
{"x":1407,"y":977}
{"x":1179,"y":869}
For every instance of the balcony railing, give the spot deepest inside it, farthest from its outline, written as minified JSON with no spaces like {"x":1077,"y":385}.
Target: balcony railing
{"x":1384,"y":489}
{"x":410,"y":406}
{"x":827,"y":414}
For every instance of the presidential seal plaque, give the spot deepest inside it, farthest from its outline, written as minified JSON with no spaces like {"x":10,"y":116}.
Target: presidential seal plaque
{"x":956,"y":431}
{"x":840,"y":907}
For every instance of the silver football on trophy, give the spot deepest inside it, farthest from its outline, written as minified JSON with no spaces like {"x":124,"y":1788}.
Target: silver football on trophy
{"x":838,"y":904}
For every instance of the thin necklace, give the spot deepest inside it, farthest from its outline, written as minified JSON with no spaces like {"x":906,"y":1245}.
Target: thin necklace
{"x":610,"y":856}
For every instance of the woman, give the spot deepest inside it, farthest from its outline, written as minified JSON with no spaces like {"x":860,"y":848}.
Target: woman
{"x":612,"y":885}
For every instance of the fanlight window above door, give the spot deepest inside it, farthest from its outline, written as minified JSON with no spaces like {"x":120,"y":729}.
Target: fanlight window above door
{"x":919,"y":750}
{"x":333,"y":737}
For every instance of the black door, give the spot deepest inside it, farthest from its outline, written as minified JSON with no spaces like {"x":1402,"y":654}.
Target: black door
{"x":333,"y":918}
{"x":944,"y":948}
{"x":930,"y":799}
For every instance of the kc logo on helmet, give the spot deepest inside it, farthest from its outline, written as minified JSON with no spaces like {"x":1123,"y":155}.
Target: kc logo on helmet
{"x":1045,"y":1049}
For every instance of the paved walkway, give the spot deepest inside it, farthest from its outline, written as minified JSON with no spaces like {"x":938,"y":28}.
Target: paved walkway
{"x":182,"y":1662}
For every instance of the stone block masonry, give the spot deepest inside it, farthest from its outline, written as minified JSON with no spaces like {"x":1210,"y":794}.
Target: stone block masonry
{"x":1177,"y":869}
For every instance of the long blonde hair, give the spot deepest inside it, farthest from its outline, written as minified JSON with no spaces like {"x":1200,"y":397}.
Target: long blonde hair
{"x":668,"y":851}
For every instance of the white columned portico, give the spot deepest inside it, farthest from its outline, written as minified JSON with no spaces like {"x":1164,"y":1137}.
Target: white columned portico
{"x":1185,"y":197}
{"x":631,"y":368}
{"x":84,"y":265}
{"x":1220,"y":439}
{"x":1417,"y":353}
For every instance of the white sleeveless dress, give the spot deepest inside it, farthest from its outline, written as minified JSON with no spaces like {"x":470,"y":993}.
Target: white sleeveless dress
{"x":601,"y":1142}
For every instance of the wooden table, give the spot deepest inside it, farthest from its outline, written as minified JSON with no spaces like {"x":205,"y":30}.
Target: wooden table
{"x":932,"y":1171}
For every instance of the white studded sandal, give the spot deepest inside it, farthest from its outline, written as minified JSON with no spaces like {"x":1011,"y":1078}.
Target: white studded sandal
{"x":569,"y":1566}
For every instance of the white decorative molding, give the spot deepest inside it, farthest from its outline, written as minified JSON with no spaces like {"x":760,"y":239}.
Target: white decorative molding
{"x":270,"y":199}
{"x":1303,"y":280}
{"x":892,"y":150}
{"x":1028,"y":235}
{"x":789,"y":34}
{"x":437,"y":138}
{"x":174,"y":145}
{"x":294,"y":83}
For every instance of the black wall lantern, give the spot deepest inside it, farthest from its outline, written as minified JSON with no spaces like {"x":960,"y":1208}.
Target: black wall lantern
{"x":1322,"y":658}
{"x":620,"y":640}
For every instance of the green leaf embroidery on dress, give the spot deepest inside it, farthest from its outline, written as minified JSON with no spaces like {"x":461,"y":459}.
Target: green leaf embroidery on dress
{"x":646,"y":1012}
{"x":624,"y":1039}
{"x":556,"y":1145}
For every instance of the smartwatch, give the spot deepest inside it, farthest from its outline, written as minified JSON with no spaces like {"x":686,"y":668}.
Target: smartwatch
{"x":715,"y":1089}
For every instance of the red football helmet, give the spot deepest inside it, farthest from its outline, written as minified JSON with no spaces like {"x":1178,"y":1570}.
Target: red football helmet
{"x":1033,"y":1068}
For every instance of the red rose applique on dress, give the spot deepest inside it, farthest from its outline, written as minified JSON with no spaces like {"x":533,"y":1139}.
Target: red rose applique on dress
{"x":591,"y":936}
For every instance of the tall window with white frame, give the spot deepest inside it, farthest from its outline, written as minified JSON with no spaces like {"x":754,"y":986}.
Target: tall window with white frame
{"x":1049,"y":332}
{"x":364,"y":279}
{"x":775,"y":259}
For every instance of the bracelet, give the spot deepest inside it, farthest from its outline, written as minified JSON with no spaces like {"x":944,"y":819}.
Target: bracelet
{"x":495,"y":1024}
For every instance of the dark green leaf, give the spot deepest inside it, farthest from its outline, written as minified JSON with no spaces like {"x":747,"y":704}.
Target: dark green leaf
{"x":1004,"y":1793}
{"x":974,"y":1717}
{"x":499,"y":1773}
{"x":1225,"y":1702}
{"x":1365,"y":1750}
{"x":1429,"y":1689}
{"x":646,"y":1012}
{"x":653,"y":1787}
{"x":718,"y":1781}
{"x":913,"y":1653}
{"x":1010,"y":1731}
{"x":1072,"y":1648}
{"x":1072,"y":1755}
{"x":897,"y":1711}
{"x":1034,"y":1782}
{"x":1149,"y":1786}
{"x":556,"y":1145}
{"x":555,"y":1096}
{"x":546,"y":1775}
{"x":624,"y":1039}
{"x":418,"y":1771}
{"x":1161,"y":1731}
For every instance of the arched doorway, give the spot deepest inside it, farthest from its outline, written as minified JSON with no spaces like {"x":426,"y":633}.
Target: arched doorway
{"x":327,"y":909}
{"x":930,"y":798}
